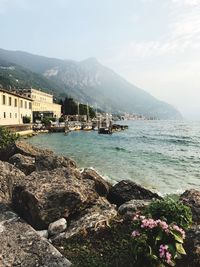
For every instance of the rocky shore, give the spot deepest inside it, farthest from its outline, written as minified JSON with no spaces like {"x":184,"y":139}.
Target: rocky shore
{"x":52,"y":214}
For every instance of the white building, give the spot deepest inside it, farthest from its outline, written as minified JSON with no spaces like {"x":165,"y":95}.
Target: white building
{"x":42,"y":103}
{"x":14,"y":107}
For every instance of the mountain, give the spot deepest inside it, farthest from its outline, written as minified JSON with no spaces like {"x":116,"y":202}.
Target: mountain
{"x":88,"y":81}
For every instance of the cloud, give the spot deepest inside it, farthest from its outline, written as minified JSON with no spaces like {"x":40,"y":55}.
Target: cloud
{"x":186,"y":2}
{"x":183,"y":34}
{"x":167,"y":66}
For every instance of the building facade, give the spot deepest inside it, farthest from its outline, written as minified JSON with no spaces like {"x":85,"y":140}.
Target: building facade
{"x":42,"y":104}
{"x":14,"y":107}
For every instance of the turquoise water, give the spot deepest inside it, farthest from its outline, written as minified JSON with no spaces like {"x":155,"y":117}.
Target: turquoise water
{"x":161,"y":155}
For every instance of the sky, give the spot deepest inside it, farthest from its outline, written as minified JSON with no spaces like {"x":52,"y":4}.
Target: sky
{"x":154,"y":44}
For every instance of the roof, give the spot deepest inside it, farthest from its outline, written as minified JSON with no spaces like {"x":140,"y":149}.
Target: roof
{"x":15,"y":94}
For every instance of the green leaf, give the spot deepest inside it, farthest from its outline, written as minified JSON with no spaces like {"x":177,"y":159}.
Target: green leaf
{"x":180,"y":249}
{"x":172,"y":249}
{"x":154,"y":257}
{"x":177,"y":236}
{"x":159,"y":236}
{"x":172,"y":263}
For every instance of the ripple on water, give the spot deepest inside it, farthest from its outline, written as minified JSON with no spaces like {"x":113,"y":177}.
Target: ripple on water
{"x":163,"y":155}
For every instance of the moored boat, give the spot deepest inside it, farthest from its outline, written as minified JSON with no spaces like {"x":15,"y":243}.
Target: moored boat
{"x":87,"y":126}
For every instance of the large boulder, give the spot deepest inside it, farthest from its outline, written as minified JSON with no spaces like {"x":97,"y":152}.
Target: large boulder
{"x":128,"y":209}
{"x":52,"y":161}
{"x":107,"y":244}
{"x":101,"y":185}
{"x":25,"y":163}
{"x":29,"y":158}
{"x":191,"y":198}
{"x":10,"y":176}
{"x":27,"y":149}
{"x":192,"y":248}
{"x":127,"y":190}
{"x":98,"y":216}
{"x":21,"y":246}
{"x":7,"y":152}
{"x":45,"y":197}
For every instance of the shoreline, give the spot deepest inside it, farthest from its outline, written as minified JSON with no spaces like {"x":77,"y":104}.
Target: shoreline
{"x":51,"y":194}
{"x":79,"y":157}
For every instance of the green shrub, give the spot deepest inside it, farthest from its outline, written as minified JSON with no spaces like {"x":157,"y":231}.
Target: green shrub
{"x":6,"y":138}
{"x":47,"y":120}
{"x":170,"y":211}
{"x":26,"y":119}
{"x":61,"y":119}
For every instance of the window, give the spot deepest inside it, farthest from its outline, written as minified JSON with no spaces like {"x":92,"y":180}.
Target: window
{"x":25,"y":104}
{"x":4,"y":100}
{"x":10,"y":115}
{"x":30,"y":106}
{"x":15,"y":102}
{"x":10,"y":101}
{"x":21,"y":103}
{"x":15,"y":115}
{"x":4,"y":115}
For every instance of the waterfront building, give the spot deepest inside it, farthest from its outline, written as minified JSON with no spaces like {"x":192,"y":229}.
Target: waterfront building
{"x":42,"y":105}
{"x":14,"y":107}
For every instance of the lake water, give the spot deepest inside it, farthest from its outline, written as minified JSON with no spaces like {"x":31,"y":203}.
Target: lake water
{"x":161,"y":155}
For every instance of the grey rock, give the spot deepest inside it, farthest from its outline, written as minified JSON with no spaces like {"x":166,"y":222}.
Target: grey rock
{"x":43,"y":233}
{"x":21,"y":246}
{"x":25,"y":163}
{"x":27,"y":149}
{"x":129,"y":208}
{"x":102,"y":187}
{"x":10,"y":177}
{"x":192,"y":248}
{"x":127,"y":190}
{"x":44,"y":159}
{"x":93,"y":219}
{"x":57,"y":227}
{"x":8,"y":152}
{"x":191,"y":198}
{"x":45,"y":196}
{"x":52,"y":161}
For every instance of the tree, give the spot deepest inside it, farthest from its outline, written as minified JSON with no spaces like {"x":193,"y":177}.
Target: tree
{"x":70,"y":107}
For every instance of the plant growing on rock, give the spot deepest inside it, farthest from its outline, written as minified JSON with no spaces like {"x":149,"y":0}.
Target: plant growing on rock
{"x":156,"y":243}
{"x":170,"y":211}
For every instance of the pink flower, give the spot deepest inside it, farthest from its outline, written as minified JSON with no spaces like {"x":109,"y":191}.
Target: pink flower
{"x":148,"y":223}
{"x":168,"y":257}
{"x":165,"y":254}
{"x":180,"y":230}
{"x":135,"y":234}
{"x":163,"y":250}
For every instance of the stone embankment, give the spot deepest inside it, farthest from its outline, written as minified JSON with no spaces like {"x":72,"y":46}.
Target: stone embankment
{"x":52,"y":214}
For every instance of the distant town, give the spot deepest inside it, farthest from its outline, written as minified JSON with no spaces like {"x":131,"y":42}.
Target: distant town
{"x":32,"y":109}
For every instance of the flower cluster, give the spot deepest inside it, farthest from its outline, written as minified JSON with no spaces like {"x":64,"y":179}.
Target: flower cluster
{"x":151,"y":223}
{"x":165,"y":254}
{"x":163,"y":241}
{"x":180,"y":230}
{"x":135,"y":233}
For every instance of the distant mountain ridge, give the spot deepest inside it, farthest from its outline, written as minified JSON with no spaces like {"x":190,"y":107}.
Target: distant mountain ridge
{"x":87,"y":81}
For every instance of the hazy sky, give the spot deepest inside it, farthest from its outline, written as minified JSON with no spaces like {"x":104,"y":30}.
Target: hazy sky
{"x":155,"y":44}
